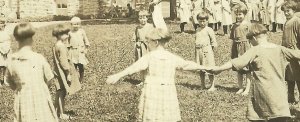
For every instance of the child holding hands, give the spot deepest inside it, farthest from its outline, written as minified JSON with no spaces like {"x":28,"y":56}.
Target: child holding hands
{"x":28,"y":74}
{"x":139,"y":37}
{"x":267,"y":61}
{"x":68,"y":80}
{"x":205,"y":43}
{"x":240,"y":45}
{"x":158,"y":101}
{"x":78,"y":44}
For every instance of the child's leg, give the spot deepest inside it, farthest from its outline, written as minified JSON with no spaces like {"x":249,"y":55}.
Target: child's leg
{"x":215,"y":26}
{"x":211,"y":25}
{"x":248,"y":84}
{"x":202,"y":78}
{"x":240,"y":83}
{"x":211,"y":79}
{"x":291,"y":93}
{"x":81,"y":72}
{"x":182,"y":26}
{"x":225,"y":29}
{"x":219,"y":25}
{"x":274,"y":27}
{"x":2,"y":70}
{"x":60,"y":102}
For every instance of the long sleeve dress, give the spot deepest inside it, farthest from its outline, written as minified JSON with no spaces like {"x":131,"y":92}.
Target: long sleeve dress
{"x":226,"y":13}
{"x":205,"y":40}
{"x":27,"y":74}
{"x":140,"y":47}
{"x":158,"y":100}
{"x":185,"y":10}
{"x":291,"y":39}
{"x":77,"y":44}
{"x":269,"y":93}
{"x":61,"y":65}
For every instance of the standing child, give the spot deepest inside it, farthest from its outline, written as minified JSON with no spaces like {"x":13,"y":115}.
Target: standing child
{"x":139,"y":37}
{"x":264,"y":16}
{"x":280,"y":17}
{"x":226,"y":16}
{"x":79,"y":44}
{"x":185,"y":14}
{"x":68,"y":82}
{"x":28,"y":74}
{"x":205,"y":44}
{"x":240,"y":44}
{"x":5,"y":42}
{"x":268,"y":100}
{"x":291,"y":39}
{"x":158,"y":101}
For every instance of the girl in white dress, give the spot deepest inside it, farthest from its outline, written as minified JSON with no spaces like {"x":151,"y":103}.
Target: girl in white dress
{"x":158,"y":101}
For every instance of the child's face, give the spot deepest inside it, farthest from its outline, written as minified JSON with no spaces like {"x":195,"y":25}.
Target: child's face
{"x":76,"y":25}
{"x":202,"y":22}
{"x":143,"y":19}
{"x":64,"y":37}
{"x":289,"y":13}
{"x":151,"y":44}
{"x":240,"y":17}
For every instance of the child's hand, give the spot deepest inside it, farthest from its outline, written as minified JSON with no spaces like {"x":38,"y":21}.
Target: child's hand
{"x":112,"y":79}
{"x":213,"y":70}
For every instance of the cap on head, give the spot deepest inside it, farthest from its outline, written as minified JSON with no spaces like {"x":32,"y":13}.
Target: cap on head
{"x":75,"y":20}
{"x":143,"y":13}
{"x":159,"y":34}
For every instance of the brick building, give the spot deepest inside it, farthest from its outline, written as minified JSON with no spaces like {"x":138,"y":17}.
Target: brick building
{"x":42,"y":8}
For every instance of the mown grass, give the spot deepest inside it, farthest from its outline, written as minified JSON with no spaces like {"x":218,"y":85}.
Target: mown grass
{"x":111,"y":51}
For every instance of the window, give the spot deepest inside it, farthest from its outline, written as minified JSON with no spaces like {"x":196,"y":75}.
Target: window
{"x":62,"y":3}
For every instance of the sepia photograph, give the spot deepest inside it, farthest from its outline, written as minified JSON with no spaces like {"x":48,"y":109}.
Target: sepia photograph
{"x":149,"y":60}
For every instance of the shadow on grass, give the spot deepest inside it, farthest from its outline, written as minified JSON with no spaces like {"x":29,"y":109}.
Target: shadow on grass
{"x":190,"y":86}
{"x":132,"y":81}
{"x":71,"y":113}
{"x":187,"y":32}
{"x":228,"y":89}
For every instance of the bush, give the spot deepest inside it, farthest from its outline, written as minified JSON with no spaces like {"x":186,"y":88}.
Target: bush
{"x":37,"y":19}
{"x":61,"y":17}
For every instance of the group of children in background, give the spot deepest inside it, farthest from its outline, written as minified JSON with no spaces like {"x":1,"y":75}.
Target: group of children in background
{"x":221,"y":13}
{"x":263,"y":63}
{"x":29,"y":74}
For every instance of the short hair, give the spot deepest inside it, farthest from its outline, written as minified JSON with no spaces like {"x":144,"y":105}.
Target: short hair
{"x":158,"y":34}
{"x":241,"y":9}
{"x":23,"y":31}
{"x":75,"y":20}
{"x":202,"y":16}
{"x":289,"y":5}
{"x":60,"y":30}
{"x":256,"y":29}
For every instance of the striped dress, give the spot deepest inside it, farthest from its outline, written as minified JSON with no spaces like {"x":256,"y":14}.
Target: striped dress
{"x":158,"y":100}
{"x":27,"y":75}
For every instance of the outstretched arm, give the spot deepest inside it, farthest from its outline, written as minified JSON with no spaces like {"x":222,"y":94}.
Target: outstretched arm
{"x":141,"y":64}
{"x":217,"y":70}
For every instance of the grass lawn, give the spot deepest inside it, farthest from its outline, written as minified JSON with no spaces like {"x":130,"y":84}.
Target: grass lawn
{"x":111,"y":51}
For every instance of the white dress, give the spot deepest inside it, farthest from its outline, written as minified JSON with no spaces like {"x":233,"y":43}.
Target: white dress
{"x":158,"y":101}
{"x":271,"y":6}
{"x":227,"y":17}
{"x":5,"y":42}
{"x":157,"y":16}
{"x":279,"y":14}
{"x":185,"y":10}
{"x":197,"y":8}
